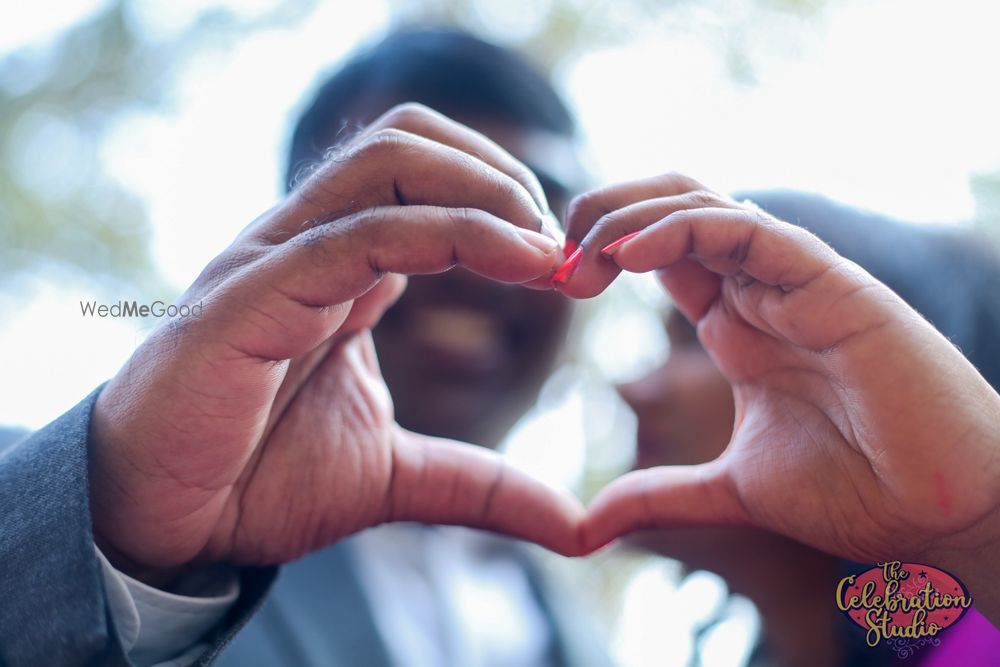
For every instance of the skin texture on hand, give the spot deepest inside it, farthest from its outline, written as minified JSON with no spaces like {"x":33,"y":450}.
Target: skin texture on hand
{"x":262,"y":430}
{"x":859,"y":429}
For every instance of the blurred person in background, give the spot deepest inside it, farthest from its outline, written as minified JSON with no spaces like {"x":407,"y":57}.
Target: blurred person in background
{"x":464,"y":357}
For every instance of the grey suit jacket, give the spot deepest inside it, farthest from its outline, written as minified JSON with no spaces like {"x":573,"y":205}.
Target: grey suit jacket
{"x":53,"y":609}
{"x":318,"y":614}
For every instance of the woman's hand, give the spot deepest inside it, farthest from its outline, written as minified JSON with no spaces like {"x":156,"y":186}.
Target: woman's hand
{"x":859,"y":429}
{"x":262,"y":429}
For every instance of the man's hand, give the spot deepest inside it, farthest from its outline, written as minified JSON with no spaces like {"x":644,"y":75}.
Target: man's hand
{"x":859,"y":429}
{"x":262,"y":430}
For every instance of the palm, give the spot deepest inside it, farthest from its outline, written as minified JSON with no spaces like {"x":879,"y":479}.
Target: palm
{"x":809,"y":444}
{"x":323,"y":470}
{"x":336,"y":463}
{"x":296,"y":455}
{"x":779,"y":460}
{"x":248,"y":450}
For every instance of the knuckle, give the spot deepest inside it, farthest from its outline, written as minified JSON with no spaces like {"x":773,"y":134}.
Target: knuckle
{"x":586,"y":205}
{"x":458,"y":216}
{"x":317,"y":243}
{"x":472,"y":224}
{"x":358,"y":227}
{"x":383,"y":141}
{"x":464,"y":217}
{"x":758,"y":218}
{"x":314,"y":236}
{"x":523,"y":175}
{"x":407,"y":115}
{"x":508,"y":187}
{"x":215,"y":273}
{"x":608,"y":221}
{"x":226,"y":263}
{"x":705,"y":199}
{"x":682,"y":181}
{"x":370,"y":224}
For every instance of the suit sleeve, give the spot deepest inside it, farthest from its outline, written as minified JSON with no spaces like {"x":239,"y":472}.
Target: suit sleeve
{"x":54,"y":608}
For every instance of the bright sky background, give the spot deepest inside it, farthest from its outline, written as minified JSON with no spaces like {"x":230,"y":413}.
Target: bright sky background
{"x":890,"y":105}
{"x":886,"y":104}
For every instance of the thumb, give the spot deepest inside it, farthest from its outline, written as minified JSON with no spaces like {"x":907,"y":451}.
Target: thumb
{"x":662,"y":497}
{"x":443,"y":481}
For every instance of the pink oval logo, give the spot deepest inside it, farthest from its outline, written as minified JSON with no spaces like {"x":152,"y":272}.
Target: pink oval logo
{"x":904,"y":604}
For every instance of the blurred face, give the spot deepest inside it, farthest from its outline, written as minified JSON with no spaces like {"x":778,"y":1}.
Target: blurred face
{"x":465,"y":357}
{"x":684,"y":407}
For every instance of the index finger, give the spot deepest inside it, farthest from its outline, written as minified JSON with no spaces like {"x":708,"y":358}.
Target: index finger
{"x":394,"y":167}
{"x":726,"y":242}
{"x":586,"y":209}
{"x":600,"y":216}
{"x":424,"y":121}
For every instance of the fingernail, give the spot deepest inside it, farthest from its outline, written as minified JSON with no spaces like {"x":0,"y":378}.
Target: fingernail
{"x":569,"y":266}
{"x":540,"y":241}
{"x":613,"y":247}
{"x":570,"y":247}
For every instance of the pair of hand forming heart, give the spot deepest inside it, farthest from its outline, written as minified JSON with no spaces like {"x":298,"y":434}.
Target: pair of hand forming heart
{"x":262,"y":430}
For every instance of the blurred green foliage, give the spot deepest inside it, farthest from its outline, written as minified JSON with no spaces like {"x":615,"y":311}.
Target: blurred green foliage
{"x":58,"y":104}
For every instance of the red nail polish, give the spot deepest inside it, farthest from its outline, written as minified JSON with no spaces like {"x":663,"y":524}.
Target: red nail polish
{"x":568,"y":267}
{"x":570,"y":247}
{"x":612,"y":248}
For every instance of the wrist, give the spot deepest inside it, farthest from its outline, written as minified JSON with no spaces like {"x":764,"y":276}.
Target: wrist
{"x":160,"y":578}
{"x":105,"y":521}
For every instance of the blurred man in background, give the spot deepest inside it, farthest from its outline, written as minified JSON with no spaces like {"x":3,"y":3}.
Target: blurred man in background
{"x":463,"y":357}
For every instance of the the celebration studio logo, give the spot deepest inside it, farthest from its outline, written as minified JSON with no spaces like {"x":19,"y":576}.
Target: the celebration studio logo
{"x":905,"y":605}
